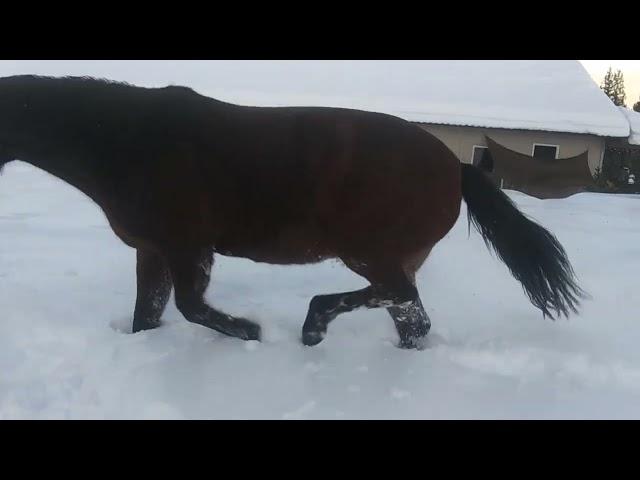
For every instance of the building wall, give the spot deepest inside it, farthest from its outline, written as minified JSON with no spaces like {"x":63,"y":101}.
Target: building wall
{"x":462,"y":139}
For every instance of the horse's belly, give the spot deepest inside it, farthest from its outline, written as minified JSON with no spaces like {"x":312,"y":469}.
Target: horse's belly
{"x":273,"y":257}
{"x":288,"y":247}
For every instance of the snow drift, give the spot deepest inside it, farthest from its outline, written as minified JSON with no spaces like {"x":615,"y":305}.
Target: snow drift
{"x":68,"y":290}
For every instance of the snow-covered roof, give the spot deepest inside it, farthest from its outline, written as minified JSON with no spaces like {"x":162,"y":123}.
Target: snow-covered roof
{"x":533,"y":95}
{"x":634,"y":122}
{"x":548,"y":95}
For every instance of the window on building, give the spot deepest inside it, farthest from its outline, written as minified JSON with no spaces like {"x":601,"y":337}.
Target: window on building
{"x":546,"y":152}
{"x":480,"y":158}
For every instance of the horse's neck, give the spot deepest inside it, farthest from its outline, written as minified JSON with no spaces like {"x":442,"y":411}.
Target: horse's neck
{"x":68,"y":164}
{"x":35,"y":128}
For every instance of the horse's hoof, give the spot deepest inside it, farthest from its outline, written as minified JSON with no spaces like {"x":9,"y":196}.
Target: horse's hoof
{"x":413,"y":343}
{"x":240,"y":328}
{"x":250,"y":331}
{"x":141,"y":327}
{"x":312,"y":338}
{"x":253,"y":332}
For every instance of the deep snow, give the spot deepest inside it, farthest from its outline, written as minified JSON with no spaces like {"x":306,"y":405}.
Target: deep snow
{"x":68,"y":289}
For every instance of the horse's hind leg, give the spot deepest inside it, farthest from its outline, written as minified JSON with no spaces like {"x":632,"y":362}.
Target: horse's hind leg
{"x":154,"y":290}
{"x":411,"y":320}
{"x":191,"y":271}
{"x":412,"y":323}
{"x":391,"y":289}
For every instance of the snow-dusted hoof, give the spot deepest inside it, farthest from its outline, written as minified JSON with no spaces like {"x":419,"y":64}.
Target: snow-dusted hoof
{"x":141,"y":327}
{"x":413,"y":336}
{"x":412,"y":324}
{"x":413,"y":343}
{"x":311,"y":338}
{"x":249,"y":331}
{"x":241,"y":328}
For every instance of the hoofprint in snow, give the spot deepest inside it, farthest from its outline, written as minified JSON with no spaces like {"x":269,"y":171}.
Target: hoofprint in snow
{"x":68,"y":290}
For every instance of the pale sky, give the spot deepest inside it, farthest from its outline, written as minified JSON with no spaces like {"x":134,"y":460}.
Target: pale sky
{"x":630,"y":68}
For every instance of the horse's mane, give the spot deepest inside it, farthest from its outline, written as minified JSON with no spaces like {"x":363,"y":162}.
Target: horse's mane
{"x":86,"y":81}
{"x":75,"y":80}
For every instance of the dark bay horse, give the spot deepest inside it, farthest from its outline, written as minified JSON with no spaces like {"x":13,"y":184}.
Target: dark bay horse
{"x":181,"y":177}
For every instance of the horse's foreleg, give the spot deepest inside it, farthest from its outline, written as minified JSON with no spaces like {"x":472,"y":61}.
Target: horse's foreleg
{"x":400,"y":294}
{"x":191,"y":271}
{"x":154,"y":290}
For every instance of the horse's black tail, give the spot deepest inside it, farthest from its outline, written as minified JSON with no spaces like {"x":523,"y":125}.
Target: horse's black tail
{"x":534,"y":255}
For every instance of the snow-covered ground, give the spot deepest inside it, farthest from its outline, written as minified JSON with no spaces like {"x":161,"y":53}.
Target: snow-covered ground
{"x":67,"y":289}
